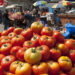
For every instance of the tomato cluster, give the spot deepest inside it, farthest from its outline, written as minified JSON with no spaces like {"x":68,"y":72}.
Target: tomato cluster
{"x":37,"y":50}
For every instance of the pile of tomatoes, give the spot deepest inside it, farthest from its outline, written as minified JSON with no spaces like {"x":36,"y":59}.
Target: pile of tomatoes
{"x":37,"y":50}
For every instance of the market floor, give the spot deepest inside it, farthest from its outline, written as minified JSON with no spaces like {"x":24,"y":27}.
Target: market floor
{"x":1,"y":27}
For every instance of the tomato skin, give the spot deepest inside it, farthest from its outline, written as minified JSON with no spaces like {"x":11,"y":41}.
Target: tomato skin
{"x":42,"y":68}
{"x":72,"y":55}
{"x":55,"y":53}
{"x":5,"y":33}
{"x":35,"y":39}
{"x":70,"y":44}
{"x":1,"y":57}
{"x":29,"y":44}
{"x":6,"y":61}
{"x":59,"y":37}
{"x":8,"y":73}
{"x":32,"y":55}
{"x":44,"y":51}
{"x":20,"y":53}
{"x":1,"y":70}
{"x":46,"y":40}
{"x":54,"y":68}
{"x":11,"y":29}
{"x":11,"y":35}
{"x":27,"y":34}
{"x":36,"y":27}
{"x":18,"y":40}
{"x":5,"y":48}
{"x":14,"y":50}
{"x":0,"y":34}
{"x":65,"y":63}
{"x":23,"y":69}
{"x":18,"y":30}
{"x":14,"y":65}
{"x":47,"y":31}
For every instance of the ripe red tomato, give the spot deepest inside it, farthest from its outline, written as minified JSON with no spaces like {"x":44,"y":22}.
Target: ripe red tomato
{"x":70,"y":44}
{"x":47,"y":31}
{"x":29,"y":44}
{"x":54,"y":68}
{"x":5,"y":33}
{"x":35,"y":38}
{"x":63,"y":73}
{"x":6,"y":61}
{"x":18,"y":40}
{"x":0,"y":34}
{"x":8,"y":73}
{"x":18,"y":30}
{"x":41,"y":68}
{"x":27,"y":34}
{"x":59,"y":37}
{"x":14,"y":50}
{"x":11,"y":35}
{"x":20,"y":53}
{"x":1,"y":70}
{"x":44,"y":51}
{"x":55,"y":53}
{"x":5,"y":48}
{"x":72,"y":55}
{"x":3,"y":37}
{"x":11,"y":29}
{"x":1,"y":57}
{"x":46,"y":40}
{"x":36,"y":27}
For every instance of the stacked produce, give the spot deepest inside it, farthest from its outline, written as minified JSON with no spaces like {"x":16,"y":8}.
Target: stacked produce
{"x":37,"y":50}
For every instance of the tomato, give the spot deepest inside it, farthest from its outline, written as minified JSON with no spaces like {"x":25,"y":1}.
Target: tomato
{"x":18,"y":40}
{"x":35,"y":38}
{"x":72,"y":55}
{"x":72,"y":71}
{"x":27,"y":34}
{"x":41,"y":68}
{"x":11,"y":29}
{"x":5,"y":40}
{"x":46,"y":40}
{"x":5,"y":33}
{"x":23,"y":69}
{"x":47,"y":31}
{"x":59,"y":37}
{"x":70,"y":44}
{"x":20,"y":53}
{"x":43,"y":74}
{"x":18,"y":30}
{"x":1,"y":57}
{"x":32,"y":55}
{"x":63,"y":48}
{"x":14,"y":50}
{"x":29,"y":44}
{"x":6,"y":61}
{"x":54,"y":68}
{"x":44,"y":51}
{"x":65,"y":63}
{"x":5,"y":48}
{"x":55,"y":53}
{"x":1,"y":71}
{"x":11,"y":35}
{"x":36,"y":27}
{"x":63,"y":74}
{"x":14,"y":65}
{"x":0,"y":34}
{"x":8,"y":73}
{"x":3,"y":37}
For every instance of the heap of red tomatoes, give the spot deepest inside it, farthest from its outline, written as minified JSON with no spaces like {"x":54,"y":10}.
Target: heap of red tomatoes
{"x":37,"y":50}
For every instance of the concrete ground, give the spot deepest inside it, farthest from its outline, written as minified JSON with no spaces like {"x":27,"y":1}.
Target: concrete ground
{"x":1,"y":27}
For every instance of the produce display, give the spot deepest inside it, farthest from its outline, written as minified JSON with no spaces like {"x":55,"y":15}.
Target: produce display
{"x":37,"y":50}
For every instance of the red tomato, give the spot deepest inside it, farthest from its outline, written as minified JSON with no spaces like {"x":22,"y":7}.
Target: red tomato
{"x":36,"y":27}
{"x":55,"y":53}
{"x":20,"y":53}
{"x":35,"y":38}
{"x":46,"y":40}
{"x":29,"y":44}
{"x":14,"y":50}
{"x":3,"y":37}
{"x":0,"y":34}
{"x":1,"y":71}
{"x":1,"y":57}
{"x":18,"y":30}
{"x":5,"y":33}
{"x":59,"y":37}
{"x":70,"y":44}
{"x":11,"y":29}
{"x":11,"y":35}
{"x":6,"y":61}
{"x":8,"y":73}
{"x":47,"y":31}
{"x":18,"y":40}
{"x":72,"y":55}
{"x":5,"y":48}
{"x":27,"y":34}
{"x":44,"y":51}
